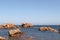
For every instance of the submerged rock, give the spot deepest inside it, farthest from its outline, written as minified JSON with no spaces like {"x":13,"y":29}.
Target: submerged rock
{"x":27,"y":38}
{"x":15,"y":32}
{"x":2,"y":38}
{"x":25,"y":25}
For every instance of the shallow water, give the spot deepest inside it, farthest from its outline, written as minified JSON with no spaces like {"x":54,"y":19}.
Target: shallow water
{"x":33,"y":34}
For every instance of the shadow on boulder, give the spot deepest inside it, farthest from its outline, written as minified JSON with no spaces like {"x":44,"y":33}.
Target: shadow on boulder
{"x":26,"y":25}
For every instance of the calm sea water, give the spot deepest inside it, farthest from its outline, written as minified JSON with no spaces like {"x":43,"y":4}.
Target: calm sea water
{"x":33,"y":33}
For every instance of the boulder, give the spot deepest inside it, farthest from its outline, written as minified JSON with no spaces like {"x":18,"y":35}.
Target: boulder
{"x":14,"y":32}
{"x":51,"y":29}
{"x":2,"y":38}
{"x":25,"y":25}
{"x":43,"y":28}
{"x":8,"y":25}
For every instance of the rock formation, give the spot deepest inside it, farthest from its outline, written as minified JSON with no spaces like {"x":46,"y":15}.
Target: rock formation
{"x":14,"y":32}
{"x":43,"y":28}
{"x":48,"y":29}
{"x":25,"y":25}
{"x":51,"y":29}
{"x":8,"y":25}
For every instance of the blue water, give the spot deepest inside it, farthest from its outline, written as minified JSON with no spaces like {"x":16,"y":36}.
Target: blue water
{"x":33,"y":33}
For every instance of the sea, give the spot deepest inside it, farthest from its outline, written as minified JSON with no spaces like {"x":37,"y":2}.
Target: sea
{"x":33,"y":33}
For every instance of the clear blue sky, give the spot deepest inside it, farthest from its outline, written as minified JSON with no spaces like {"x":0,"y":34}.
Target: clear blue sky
{"x":33,"y":11}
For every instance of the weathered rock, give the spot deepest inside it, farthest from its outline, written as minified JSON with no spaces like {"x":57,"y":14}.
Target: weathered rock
{"x":2,"y":38}
{"x":51,"y":29}
{"x":43,"y":28}
{"x":15,"y":32}
{"x":9,"y":25}
{"x":47,"y":29}
{"x":25,"y":25}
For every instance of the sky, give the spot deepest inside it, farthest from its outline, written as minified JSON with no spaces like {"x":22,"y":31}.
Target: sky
{"x":42,"y":12}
